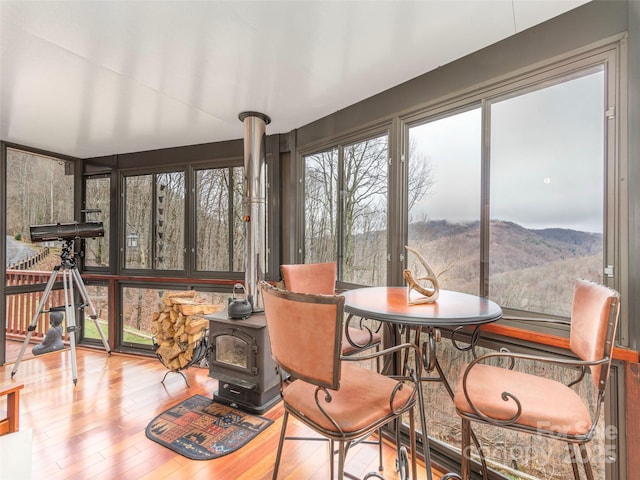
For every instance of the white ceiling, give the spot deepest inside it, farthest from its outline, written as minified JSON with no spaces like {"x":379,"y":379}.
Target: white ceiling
{"x":91,"y":78}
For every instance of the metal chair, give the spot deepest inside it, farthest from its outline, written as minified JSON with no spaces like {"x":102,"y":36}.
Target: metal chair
{"x":320,"y":278}
{"x":508,"y":398}
{"x":330,"y":392}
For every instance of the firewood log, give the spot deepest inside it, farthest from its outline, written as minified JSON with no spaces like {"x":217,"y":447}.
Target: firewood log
{"x":178,"y":325}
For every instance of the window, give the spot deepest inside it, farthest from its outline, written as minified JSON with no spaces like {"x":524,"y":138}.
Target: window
{"x":98,"y":295}
{"x":39,"y":191}
{"x":139,"y":305}
{"x":321,"y":206}
{"x":346,"y":209}
{"x":143,"y":304}
{"x":219,"y":224}
{"x":444,"y":198}
{"x":98,"y":190}
{"x":547,"y":193}
{"x":154,"y":216}
{"x":541,"y":180}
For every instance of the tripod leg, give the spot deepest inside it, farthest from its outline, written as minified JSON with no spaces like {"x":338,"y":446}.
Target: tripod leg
{"x":36,"y":315}
{"x":70,"y":311}
{"x":87,"y":301}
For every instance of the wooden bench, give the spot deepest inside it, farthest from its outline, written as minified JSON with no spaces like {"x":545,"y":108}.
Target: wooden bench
{"x":11,"y":422}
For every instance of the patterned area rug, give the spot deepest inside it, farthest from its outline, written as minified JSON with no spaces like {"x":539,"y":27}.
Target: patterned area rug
{"x":202,"y":429}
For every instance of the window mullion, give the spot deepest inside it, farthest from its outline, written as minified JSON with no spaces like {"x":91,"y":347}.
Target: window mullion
{"x":340,"y":225}
{"x":485,"y":206}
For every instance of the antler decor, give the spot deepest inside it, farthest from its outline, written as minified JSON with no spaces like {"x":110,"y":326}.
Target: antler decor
{"x":429,"y":295}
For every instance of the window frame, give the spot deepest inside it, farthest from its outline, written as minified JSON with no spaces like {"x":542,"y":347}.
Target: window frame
{"x":122,"y":241}
{"x":417,"y":122}
{"x":192,"y":249}
{"x":104,"y":217}
{"x":189,"y":170}
{"x":615,"y":189}
{"x":381,"y":129}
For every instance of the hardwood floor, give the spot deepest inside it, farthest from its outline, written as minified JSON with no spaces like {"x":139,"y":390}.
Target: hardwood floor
{"x":96,"y":429}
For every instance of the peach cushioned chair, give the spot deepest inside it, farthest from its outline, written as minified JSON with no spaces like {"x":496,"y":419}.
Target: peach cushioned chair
{"x":533,"y":404}
{"x":329,"y":392}
{"x":320,"y":278}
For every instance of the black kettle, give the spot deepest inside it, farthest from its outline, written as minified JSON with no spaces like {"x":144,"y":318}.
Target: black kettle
{"x":239,"y":308}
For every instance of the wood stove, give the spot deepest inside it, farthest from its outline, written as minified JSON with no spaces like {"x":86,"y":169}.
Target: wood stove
{"x":240,"y":359}
{"x":240,"y":353}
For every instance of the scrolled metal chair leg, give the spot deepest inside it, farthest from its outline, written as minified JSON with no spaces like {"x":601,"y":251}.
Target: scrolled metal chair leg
{"x":574,"y":460}
{"x":276,"y":467}
{"x":342,"y":456}
{"x":373,"y":475}
{"x":465,"y":457}
{"x":585,"y":461}
{"x":403,"y":464}
{"x":380,"y":465}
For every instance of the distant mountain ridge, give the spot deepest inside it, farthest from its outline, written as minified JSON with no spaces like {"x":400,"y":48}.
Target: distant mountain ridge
{"x":530,"y":269}
{"x":513,"y":247}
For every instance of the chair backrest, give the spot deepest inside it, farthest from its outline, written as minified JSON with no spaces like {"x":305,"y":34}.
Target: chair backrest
{"x":316,"y":278}
{"x":305,"y":332}
{"x":594,"y":318}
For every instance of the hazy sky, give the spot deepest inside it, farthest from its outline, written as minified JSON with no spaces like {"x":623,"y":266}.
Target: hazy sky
{"x":546,"y":159}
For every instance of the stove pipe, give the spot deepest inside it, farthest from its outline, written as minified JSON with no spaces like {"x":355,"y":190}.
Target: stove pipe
{"x":255,"y":198}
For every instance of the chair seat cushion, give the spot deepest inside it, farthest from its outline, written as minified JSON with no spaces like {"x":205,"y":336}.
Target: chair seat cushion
{"x":546,"y":404}
{"x":359,"y":337}
{"x":362,"y":400}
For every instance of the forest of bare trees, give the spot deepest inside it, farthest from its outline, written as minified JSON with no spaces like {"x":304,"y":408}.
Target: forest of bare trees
{"x":219,"y":211}
{"x":39,"y":191}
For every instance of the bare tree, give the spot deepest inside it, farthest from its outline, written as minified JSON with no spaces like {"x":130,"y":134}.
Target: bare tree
{"x":321,"y":177}
{"x":238,"y":225}
{"x":169,"y":227}
{"x":365,"y":188}
{"x":212,"y":200}
{"x":220,"y":226}
{"x":420,"y":179}
{"x":138,"y":199}
{"x":98,"y":198}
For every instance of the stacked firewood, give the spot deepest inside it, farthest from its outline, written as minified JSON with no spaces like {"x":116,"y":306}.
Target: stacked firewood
{"x":179,"y":328}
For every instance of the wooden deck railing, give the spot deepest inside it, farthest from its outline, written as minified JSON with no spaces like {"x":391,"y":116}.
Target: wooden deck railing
{"x":22,"y":307}
{"x":34,"y":259}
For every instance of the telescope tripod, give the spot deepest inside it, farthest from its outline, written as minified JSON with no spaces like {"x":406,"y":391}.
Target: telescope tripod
{"x":70,"y":277}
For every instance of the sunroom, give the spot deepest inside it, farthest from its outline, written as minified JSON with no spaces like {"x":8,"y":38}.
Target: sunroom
{"x":505,"y":154}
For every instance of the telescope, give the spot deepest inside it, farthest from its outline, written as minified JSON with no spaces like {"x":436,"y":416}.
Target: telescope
{"x":71,"y":280}
{"x":66,"y":231}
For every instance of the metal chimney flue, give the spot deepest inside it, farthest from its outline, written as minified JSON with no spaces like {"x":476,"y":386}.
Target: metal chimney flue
{"x":255,"y":202}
